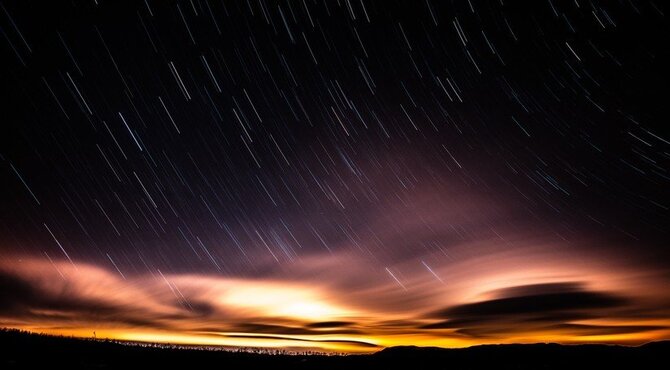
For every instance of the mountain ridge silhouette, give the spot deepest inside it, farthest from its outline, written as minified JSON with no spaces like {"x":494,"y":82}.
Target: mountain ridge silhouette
{"x":19,"y":349}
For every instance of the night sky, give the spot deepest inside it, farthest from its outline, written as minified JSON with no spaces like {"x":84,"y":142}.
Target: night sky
{"x":338,"y":175}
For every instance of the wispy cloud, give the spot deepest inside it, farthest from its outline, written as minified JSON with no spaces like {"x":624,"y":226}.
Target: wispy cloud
{"x":39,"y":296}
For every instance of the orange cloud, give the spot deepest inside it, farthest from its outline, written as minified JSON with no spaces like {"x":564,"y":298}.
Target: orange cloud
{"x":511,"y":304}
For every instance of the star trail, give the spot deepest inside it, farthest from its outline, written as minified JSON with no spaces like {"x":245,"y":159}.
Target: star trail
{"x":337,"y":175}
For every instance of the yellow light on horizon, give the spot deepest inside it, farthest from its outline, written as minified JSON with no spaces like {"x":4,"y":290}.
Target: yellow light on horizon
{"x":225,"y":340}
{"x":282,"y":301}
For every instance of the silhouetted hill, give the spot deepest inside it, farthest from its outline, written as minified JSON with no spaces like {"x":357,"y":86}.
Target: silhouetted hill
{"x":23,"y":350}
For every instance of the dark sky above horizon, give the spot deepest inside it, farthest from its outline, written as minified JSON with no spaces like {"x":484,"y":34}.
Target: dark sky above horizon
{"x":381,"y":172}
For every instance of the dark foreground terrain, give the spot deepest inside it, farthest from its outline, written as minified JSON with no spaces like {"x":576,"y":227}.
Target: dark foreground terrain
{"x":23,"y":350}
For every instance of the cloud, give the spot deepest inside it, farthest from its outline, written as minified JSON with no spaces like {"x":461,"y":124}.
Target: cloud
{"x":55,"y":299}
{"x":536,"y":304}
{"x":546,"y":308}
{"x":14,"y":293}
{"x":35,"y":294}
{"x":189,"y":308}
{"x":532,"y":289}
{"x":329,"y":324}
{"x":583,"y":329}
{"x":296,"y":329}
{"x":357,"y":343}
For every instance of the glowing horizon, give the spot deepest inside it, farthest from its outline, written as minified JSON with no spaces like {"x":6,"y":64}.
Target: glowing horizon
{"x":77,"y":299}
